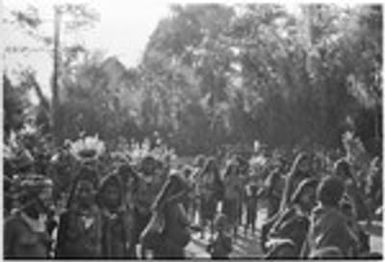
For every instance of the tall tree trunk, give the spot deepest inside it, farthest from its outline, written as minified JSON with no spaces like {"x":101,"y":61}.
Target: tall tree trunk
{"x":55,"y":84}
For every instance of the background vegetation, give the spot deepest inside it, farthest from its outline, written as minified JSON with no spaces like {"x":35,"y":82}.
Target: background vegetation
{"x":215,"y":74}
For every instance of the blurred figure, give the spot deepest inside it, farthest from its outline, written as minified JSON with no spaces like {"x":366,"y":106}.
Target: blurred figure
{"x":168,"y":232}
{"x":221,"y":245}
{"x":328,"y":225}
{"x":117,"y":223}
{"x":273,"y":191}
{"x":293,"y":223}
{"x":300,"y":170}
{"x":190,"y":203}
{"x":25,"y":232}
{"x":251,"y":204}
{"x":147,"y":186}
{"x":80,"y":231}
{"x":9,"y":195}
{"x":353,"y":194}
{"x":129,"y":178}
{"x":243,"y":168}
{"x":210,"y":192}
{"x":232,"y":195}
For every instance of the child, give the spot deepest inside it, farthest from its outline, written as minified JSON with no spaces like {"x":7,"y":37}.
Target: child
{"x":221,"y":246}
{"x":252,"y":201}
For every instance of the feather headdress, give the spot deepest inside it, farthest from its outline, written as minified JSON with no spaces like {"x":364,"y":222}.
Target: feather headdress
{"x":87,"y":149}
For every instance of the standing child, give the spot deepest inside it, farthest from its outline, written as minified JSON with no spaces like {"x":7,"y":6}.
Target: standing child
{"x":221,"y":246}
{"x":252,"y":203}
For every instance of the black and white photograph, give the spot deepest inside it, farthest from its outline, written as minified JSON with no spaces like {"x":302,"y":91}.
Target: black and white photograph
{"x":191,"y":130}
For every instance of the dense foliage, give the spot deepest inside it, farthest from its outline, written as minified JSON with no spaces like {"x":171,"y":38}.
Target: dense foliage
{"x":219,"y":74}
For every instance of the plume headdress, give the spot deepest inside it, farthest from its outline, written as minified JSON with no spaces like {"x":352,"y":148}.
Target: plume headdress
{"x":87,"y":149}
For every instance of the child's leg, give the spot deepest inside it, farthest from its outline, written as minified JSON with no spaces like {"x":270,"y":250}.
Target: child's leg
{"x":194,"y":210}
{"x":202,"y":218}
{"x":253,"y":219}
{"x":247,"y":225}
{"x":235,"y":230}
{"x":211,"y":227}
{"x":255,"y":216}
{"x":203,"y":226}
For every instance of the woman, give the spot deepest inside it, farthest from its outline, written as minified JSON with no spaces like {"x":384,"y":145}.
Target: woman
{"x":210,"y":192}
{"x":169,"y":240}
{"x":190,"y":202}
{"x":273,"y":191}
{"x":116,"y":220}
{"x":353,"y":203}
{"x":353,"y":192}
{"x":145,"y":190}
{"x":129,"y":179}
{"x":232,"y":195}
{"x":79,"y":234}
{"x":299,"y":171}
{"x":293,"y":222}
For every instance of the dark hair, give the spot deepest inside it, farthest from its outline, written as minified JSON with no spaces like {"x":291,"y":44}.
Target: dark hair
{"x":273,"y":178}
{"x":297,"y":162}
{"x":221,"y":221}
{"x":242,"y":162}
{"x":187,"y":170}
{"x":85,"y":174}
{"x":303,"y":185}
{"x":113,"y":180}
{"x":125,"y":172}
{"x":210,"y":163}
{"x":230,"y":167}
{"x":88,"y":173}
{"x":199,"y":160}
{"x":342,"y":167}
{"x":330,"y":191}
{"x":173,"y":186}
{"x":150,"y":161}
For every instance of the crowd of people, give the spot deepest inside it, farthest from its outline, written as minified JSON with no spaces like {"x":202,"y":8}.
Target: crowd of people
{"x":88,"y":202}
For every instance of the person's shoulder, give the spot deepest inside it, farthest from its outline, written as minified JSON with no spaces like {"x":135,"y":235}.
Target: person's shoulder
{"x":14,"y":222}
{"x":337,"y":213}
{"x":66,"y":213}
{"x":329,"y":214}
{"x":12,"y":219}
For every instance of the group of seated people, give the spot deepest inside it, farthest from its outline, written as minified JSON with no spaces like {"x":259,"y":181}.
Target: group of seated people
{"x":317,"y":218}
